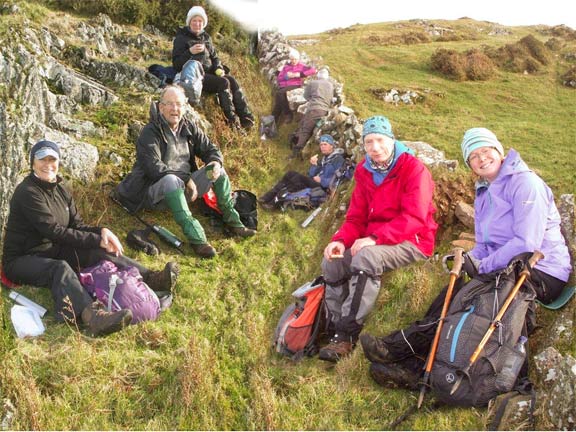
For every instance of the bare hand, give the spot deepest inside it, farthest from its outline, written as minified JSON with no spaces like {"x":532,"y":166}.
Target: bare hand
{"x":110,"y":242}
{"x":314,"y":160}
{"x":191,"y":189}
{"x":216,"y":170}
{"x":197,"y":48}
{"x":333,"y":249}
{"x":361,"y":243}
{"x":317,"y":179}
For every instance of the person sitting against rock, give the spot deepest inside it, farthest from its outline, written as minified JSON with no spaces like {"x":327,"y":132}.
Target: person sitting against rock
{"x":192,"y":43}
{"x":165,"y":173}
{"x":290,"y":77}
{"x":508,"y":192}
{"x":47,"y":244}
{"x":321,"y":173}
{"x":389,"y":224}
{"x":319,"y":94}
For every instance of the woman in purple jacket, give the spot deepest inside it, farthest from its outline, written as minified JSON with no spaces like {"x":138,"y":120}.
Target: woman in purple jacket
{"x":290,"y":77}
{"x":514,"y":212}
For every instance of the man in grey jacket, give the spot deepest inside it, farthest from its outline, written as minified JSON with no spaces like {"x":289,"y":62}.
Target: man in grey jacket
{"x":165,"y":173}
{"x":318,"y":93}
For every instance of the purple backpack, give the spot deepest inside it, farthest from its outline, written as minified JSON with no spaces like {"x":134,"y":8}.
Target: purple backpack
{"x":121,"y":289}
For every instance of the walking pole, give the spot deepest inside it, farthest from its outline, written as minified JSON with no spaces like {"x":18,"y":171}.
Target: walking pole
{"x":536,"y":256}
{"x":454,"y":273}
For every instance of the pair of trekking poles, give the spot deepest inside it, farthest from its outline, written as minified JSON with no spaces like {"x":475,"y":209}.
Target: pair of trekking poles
{"x":454,"y":273}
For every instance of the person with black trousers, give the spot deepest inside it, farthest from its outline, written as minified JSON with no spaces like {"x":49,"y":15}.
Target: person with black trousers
{"x":192,"y":43}
{"x":47,"y":244}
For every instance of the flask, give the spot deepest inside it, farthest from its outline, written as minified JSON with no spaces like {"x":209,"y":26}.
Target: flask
{"x":511,"y":367}
{"x":25,"y":301}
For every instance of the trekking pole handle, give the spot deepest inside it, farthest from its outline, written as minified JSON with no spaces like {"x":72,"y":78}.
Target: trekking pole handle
{"x":458,"y":261}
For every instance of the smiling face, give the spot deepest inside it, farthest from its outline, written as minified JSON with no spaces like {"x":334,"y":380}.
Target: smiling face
{"x":196,"y":24}
{"x":46,"y":169}
{"x":172,"y":106}
{"x":485,"y":162}
{"x":378,"y":147}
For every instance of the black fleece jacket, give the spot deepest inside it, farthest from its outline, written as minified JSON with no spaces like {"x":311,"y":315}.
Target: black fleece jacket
{"x":181,"y":53}
{"x":43,"y":217}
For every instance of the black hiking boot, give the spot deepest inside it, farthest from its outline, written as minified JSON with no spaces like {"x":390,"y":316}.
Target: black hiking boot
{"x":374,"y":349}
{"x":204,"y":250}
{"x":163,"y":280}
{"x":241,"y":231}
{"x":392,"y":375}
{"x":101,"y":323}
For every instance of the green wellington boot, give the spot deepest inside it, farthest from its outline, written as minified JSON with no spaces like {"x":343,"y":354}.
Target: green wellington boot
{"x":230,"y":216}
{"x":176,"y":201}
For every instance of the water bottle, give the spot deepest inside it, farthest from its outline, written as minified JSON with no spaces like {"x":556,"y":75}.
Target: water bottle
{"x":511,"y":368}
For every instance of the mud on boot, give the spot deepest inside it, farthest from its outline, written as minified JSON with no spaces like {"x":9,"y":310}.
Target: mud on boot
{"x":338,"y":348}
{"x":163,"y":280}
{"x":374,"y":349}
{"x":392,"y":375}
{"x":101,"y":323}
{"x":241,"y":231}
{"x":203,"y":250}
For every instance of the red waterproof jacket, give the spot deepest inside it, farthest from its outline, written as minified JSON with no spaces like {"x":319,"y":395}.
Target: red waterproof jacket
{"x":399,"y":209}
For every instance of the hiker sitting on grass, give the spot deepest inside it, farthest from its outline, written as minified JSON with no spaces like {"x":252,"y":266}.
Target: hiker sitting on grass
{"x":290,"y":77}
{"x":192,"y":43}
{"x":389,"y":224}
{"x":318,"y":93}
{"x":46,"y":244}
{"x":321,"y":174}
{"x":514,"y":213}
{"x":165,"y":174}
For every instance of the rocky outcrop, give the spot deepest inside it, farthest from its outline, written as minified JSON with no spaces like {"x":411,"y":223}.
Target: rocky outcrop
{"x":341,"y":121}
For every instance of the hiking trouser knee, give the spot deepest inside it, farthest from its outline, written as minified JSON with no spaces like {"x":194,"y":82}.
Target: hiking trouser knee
{"x":162,"y":187}
{"x":70,"y":297}
{"x":176,"y":202}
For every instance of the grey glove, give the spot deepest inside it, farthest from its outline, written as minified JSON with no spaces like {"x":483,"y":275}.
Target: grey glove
{"x":470,"y":265}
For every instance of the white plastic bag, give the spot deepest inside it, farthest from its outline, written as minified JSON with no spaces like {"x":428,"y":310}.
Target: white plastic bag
{"x":26,"y":321}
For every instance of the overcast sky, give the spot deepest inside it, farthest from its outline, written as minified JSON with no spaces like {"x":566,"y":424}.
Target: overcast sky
{"x":292,"y":17}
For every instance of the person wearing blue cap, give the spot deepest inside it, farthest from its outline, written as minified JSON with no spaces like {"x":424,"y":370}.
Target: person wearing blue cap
{"x":389,"y":224}
{"x":321,"y":174}
{"x":514,"y":214}
{"x":47,"y":243}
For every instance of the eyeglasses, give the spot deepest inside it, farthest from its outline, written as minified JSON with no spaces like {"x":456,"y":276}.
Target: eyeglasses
{"x":173,"y":104}
{"x":481,"y":152}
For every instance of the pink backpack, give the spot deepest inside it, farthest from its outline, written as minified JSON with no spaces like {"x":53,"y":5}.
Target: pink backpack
{"x":121,"y":289}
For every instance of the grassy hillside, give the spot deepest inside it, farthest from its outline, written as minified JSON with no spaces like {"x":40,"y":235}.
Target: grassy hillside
{"x":207,"y":363}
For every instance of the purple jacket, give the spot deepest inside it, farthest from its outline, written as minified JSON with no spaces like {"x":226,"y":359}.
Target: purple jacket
{"x":301,"y":68}
{"x":514,"y":214}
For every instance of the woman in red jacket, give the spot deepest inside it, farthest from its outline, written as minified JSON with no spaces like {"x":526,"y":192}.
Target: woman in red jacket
{"x":389,"y":224}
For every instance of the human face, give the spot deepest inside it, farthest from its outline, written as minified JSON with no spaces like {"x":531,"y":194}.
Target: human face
{"x":485,"y":162}
{"x":172,"y":107}
{"x":196,"y":24}
{"x":325,"y":148}
{"x":379,"y":147}
{"x":46,"y":169}
{"x":293,"y":60}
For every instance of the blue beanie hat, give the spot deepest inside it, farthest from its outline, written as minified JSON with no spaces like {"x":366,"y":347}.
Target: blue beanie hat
{"x":479,"y":137}
{"x":328,"y":139}
{"x":44,"y":148}
{"x":379,"y":125}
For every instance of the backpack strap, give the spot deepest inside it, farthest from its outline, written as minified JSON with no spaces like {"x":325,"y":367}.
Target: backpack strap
{"x":112,"y":284}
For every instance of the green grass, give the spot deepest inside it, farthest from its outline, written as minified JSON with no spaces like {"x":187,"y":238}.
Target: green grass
{"x":207,"y":362}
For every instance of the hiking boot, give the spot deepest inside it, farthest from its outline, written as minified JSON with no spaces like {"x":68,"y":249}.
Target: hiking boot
{"x":101,"y":322}
{"x":163,"y":280}
{"x":241,"y":231}
{"x":374,"y":349}
{"x":267,"y":205}
{"x":336,"y":350}
{"x":392,"y":375}
{"x":247,"y":122}
{"x":204,"y":250}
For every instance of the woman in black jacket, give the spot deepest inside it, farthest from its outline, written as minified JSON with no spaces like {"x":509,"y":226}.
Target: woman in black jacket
{"x":47,"y":243}
{"x":192,"y":43}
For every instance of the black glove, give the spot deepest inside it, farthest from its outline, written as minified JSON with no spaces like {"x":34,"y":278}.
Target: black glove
{"x":470,"y":265}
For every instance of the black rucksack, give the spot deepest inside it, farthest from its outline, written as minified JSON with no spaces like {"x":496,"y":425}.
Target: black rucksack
{"x":245,"y":203}
{"x":304,"y":199}
{"x":471,"y":312}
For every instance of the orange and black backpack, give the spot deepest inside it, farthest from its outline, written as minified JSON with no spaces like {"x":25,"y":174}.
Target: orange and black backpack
{"x":303,"y":322}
